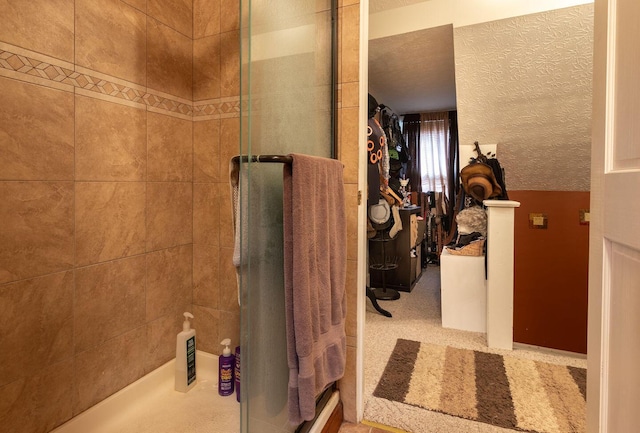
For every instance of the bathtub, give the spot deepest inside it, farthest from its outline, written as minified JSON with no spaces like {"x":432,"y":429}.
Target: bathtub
{"x":151,"y":405}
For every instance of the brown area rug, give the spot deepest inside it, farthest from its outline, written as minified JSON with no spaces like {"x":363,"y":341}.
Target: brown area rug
{"x":504,"y":391}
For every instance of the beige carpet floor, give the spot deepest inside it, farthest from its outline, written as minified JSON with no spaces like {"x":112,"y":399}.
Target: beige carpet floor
{"x":416,"y":316}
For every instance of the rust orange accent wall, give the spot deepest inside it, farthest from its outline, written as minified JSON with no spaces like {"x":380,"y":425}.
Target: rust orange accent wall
{"x":551,"y":270}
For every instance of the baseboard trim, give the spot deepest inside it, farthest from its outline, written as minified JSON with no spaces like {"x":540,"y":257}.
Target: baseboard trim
{"x":383,"y":427}
{"x":524,"y":346}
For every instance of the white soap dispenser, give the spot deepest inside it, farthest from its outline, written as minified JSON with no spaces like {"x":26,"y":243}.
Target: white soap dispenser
{"x":186,"y":356}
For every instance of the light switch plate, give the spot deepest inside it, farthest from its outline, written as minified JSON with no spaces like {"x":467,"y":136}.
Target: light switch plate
{"x":585,"y":216}
{"x":537,"y":221}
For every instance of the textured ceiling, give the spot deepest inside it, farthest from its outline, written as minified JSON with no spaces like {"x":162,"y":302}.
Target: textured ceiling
{"x":525,"y":84}
{"x":414,"y":72}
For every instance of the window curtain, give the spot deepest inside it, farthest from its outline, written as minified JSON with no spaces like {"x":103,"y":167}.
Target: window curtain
{"x":412,"y":125}
{"x":453,"y":162}
{"x":434,"y":152}
{"x":411,"y":133}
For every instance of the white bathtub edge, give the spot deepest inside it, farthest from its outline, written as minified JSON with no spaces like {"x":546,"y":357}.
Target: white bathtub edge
{"x":324,"y":416}
{"x":97,"y":417}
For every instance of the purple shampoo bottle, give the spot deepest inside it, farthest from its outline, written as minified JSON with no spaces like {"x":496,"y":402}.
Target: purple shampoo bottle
{"x":237,"y":373}
{"x":226,"y":364}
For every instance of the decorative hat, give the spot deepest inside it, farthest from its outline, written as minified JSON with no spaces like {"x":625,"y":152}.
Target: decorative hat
{"x":380,"y":214}
{"x":472,"y":219}
{"x":479,"y":181}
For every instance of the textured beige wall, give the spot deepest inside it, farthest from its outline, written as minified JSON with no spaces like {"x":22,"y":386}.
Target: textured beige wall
{"x":524,"y":83}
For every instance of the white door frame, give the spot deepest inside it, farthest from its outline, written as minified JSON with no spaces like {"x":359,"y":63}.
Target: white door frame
{"x":362,"y":208}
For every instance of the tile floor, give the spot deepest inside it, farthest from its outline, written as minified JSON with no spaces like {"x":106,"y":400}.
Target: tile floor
{"x":361,"y":428}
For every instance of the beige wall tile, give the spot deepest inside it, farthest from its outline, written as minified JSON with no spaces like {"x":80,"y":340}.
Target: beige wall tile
{"x":348,"y":146}
{"x":37,"y":138}
{"x":229,"y":15}
{"x":169,"y":60}
{"x":339,"y":43}
{"x":229,"y":64}
{"x":229,"y":144}
{"x":39,"y":25}
{"x":161,"y":342}
{"x":351,"y":287}
{"x":169,"y":281}
{"x":229,"y":328}
{"x":110,"y":37}
{"x":227,"y":237}
{"x":177,"y":14}
{"x":348,"y":76}
{"x":206,"y":289}
{"x":169,"y":148}
{"x":350,"y":94}
{"x":206,"y":18}
{"x":169,"y":214}
{"x":38,"y":402}
{"x":351,"y":203}
{"x":36,"y":234}
{"x":347,"y":386}
{"x":138,"y":4}
{"x":206,"y":152}
{"x":105,"y":369}
{"x":39,"y":313}
{"x":229,"y":147}
{"x":109,"y":301}
{"x":110,"y":141}
{"x":323,"y":5}
{"x":206,"y":213}
{"x":207,"y":322}
{"x":110,"y":221}
{"x":55,"y":385}
{"x":206,"y":68}
{"x":227,"y":281}
{"x":352,"y":341}
{"x":350,"y":43}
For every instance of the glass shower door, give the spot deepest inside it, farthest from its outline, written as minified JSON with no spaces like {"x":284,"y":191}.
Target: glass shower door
{"x":287,"y":106}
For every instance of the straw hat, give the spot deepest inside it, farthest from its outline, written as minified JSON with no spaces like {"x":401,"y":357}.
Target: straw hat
{"x":479,"y":181}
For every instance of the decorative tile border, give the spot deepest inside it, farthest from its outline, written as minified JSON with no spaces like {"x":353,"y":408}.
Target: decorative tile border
{"x":19,"y":63}
{"x":216,"y":108}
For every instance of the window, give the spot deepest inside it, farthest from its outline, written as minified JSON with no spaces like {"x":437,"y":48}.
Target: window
{"x":434,"y":151}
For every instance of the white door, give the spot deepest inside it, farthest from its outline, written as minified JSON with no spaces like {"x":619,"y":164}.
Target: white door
{"x":613,"y":384}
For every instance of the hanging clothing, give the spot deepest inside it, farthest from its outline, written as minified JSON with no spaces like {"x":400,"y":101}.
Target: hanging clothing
{"x":398,"y":148}
{"x":376,"y":143}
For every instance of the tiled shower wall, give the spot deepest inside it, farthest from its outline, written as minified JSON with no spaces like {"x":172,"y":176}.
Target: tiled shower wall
{"x":117,"y":122}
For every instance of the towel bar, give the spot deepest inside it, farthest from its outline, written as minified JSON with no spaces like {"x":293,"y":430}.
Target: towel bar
{"x":285,"y":159}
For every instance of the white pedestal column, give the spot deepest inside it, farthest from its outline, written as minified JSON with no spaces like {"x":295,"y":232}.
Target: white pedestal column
{"x":500,"y":273}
